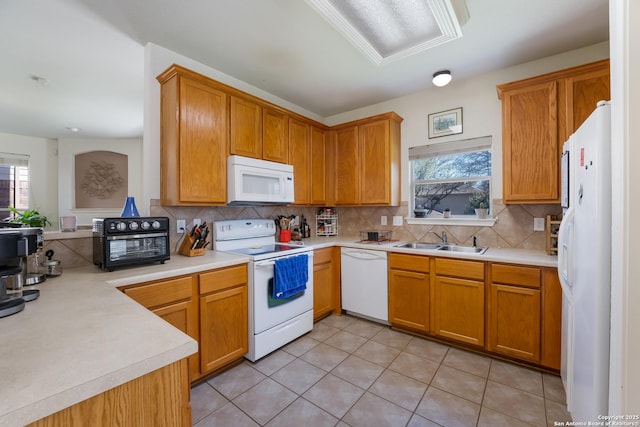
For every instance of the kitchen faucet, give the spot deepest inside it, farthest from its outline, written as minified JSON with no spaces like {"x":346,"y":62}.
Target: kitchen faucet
{"x":443,"y":237}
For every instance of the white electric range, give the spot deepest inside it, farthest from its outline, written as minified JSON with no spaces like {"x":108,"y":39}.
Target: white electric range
{"x":272,"y":322}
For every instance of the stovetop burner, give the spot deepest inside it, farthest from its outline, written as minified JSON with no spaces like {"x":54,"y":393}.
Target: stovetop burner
{"x":264,"y":249}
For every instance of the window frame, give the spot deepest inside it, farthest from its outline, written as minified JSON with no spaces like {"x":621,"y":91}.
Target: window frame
{"x":442,"y":149}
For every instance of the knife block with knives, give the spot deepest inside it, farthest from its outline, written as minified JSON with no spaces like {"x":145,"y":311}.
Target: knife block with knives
{"x":194,"y":243}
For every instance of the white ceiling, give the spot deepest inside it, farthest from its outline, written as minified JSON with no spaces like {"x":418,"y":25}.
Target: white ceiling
{"x":92,"y":54}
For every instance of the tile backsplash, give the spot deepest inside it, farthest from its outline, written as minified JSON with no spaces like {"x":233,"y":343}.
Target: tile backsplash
{"x":513,"y":228}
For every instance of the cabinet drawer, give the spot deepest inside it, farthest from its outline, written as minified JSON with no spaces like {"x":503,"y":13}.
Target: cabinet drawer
{"x":161,"y":293}
{"x":223,"y":278}
{"x":460,"y":268}
{"x":322,"y":256}
{"x":515,"y":275}
{"x":409,"y":262}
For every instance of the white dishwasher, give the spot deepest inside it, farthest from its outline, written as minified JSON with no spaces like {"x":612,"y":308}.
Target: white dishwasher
{"x":364,"y":283}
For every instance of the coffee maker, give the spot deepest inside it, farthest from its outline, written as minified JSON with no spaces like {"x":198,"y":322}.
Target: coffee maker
{"x":16,"y":244}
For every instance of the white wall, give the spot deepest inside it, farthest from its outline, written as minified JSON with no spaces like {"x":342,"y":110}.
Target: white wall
{"x":624,"y":384}
{"x":157,"y":60}
{"x":477,"y":97}
{"x":479,"y":100}
{"x":68,"y":148}
{"x":43,"y":170}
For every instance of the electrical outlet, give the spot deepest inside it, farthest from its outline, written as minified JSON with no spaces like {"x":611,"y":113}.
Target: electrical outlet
{"x":383,"y":220}
{"x":196,"y":222}
{"x":397,"y":220}
{"x":181,"y":226}
{"x":538,"y":224}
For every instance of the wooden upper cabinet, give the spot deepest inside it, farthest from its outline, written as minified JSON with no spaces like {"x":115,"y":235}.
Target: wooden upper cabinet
{"x":538,"y":115}
{"x":530,"y":160}
{"x":319,"y":160}
{"x":299,"y":138}
{"x":193,"y":140}
{"x":245,"y":128}
{"x":375,"y":164}
{"x":347,"y":182}
{"x":367,"y":161}
{"x":583,"y":93}
{"x":275,"y":134}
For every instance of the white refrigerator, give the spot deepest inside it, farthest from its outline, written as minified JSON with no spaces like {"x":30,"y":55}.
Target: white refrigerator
{"x":584,"y":266}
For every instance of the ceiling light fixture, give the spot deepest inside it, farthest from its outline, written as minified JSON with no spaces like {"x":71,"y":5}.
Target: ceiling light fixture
{"x":73,"y":129}
{"x":441,"y":78}
{"x":389,"y":30}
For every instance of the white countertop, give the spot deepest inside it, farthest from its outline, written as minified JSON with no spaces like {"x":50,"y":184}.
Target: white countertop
{"x":83,"y":336}
{"x":507,"y":255}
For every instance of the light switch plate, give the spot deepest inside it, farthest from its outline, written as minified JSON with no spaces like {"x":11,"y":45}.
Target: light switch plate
{"x":197,"y":221}
{"x":383,"y":220}
{"x":538,"y":224}
{"x":397,"y":220}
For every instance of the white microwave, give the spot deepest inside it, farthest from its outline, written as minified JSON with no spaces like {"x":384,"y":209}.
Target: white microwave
{"x":258,"y":182}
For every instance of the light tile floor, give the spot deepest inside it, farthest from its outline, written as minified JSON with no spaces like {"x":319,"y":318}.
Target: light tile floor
{"x":351,"y":372}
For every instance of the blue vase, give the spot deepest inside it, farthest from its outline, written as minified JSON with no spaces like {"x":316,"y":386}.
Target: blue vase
{"x":129,"y":210}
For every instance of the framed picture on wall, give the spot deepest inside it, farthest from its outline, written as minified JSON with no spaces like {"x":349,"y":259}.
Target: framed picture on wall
{"x":445,"y":123}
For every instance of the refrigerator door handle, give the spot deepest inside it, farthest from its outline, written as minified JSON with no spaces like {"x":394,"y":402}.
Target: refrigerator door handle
{"x":565,"y":258}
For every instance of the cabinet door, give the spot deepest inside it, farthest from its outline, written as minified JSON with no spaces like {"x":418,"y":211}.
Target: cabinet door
{"x":551,"y":318}
{"x":318,"y":166}
{"x":325,"y":282}
{"x":530,"y":150}
{"x":223,"y":327}
{"x":375,"y":163}
{"x":275,"y":130}
{"x":514,"y":321}
{"x":409,"y":299}
{"x":299,"y":158}
{"x":246,"y":128}
{"x":583,"y":93}
{"x":184,"y":316}
{"x":458,"y":309}
{"x":346,"y":167}
{"x":194,"y":130}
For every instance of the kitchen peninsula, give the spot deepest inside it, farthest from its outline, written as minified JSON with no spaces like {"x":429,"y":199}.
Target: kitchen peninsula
{"x":84,"y":339}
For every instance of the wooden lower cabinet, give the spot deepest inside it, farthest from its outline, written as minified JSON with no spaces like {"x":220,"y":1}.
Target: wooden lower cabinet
{"x":515,"y":311}
{"x":409,"y":291}
{"x":211,"y":307}
{"x":518,"y":313}
{"x":514,"y":321}
{"x":134,"y":403}
{"x":224,"y":329}
{"x":174,"y":301}
{"x":458,"y":309}
{"x":326,"y":279}
{"x":551,"y":319}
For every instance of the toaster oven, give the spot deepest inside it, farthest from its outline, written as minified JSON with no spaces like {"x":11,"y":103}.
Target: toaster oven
{"x":129,"y":241}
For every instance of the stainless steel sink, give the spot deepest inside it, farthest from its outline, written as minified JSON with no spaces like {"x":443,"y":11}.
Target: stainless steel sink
{"x":467,"y":249}
{"x":443,"y":247}
{"x":419,"y":245}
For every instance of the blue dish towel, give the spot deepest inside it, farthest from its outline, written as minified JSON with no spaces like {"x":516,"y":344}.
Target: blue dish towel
{"x":290,"y":276}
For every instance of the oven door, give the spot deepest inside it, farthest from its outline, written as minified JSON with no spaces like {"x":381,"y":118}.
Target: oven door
{"x":268,"y":312}
{"x":136,"y":248}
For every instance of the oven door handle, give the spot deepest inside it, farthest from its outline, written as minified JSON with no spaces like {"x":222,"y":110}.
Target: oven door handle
{"x":265,"y":263}
{"x":136,"y":236}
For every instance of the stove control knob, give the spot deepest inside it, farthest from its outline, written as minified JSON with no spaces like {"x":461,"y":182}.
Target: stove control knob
{"x":145,"y":225}
{"x":121,"y":226}
{"x":133,"y":225}
{"x":156,"y":224}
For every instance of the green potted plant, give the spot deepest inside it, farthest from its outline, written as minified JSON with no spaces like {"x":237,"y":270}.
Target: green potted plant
{"x":29,"y":217}
{"x":481,"y":210}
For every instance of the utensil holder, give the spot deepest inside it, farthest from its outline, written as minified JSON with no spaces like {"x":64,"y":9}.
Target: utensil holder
{"x":185,"y":247}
